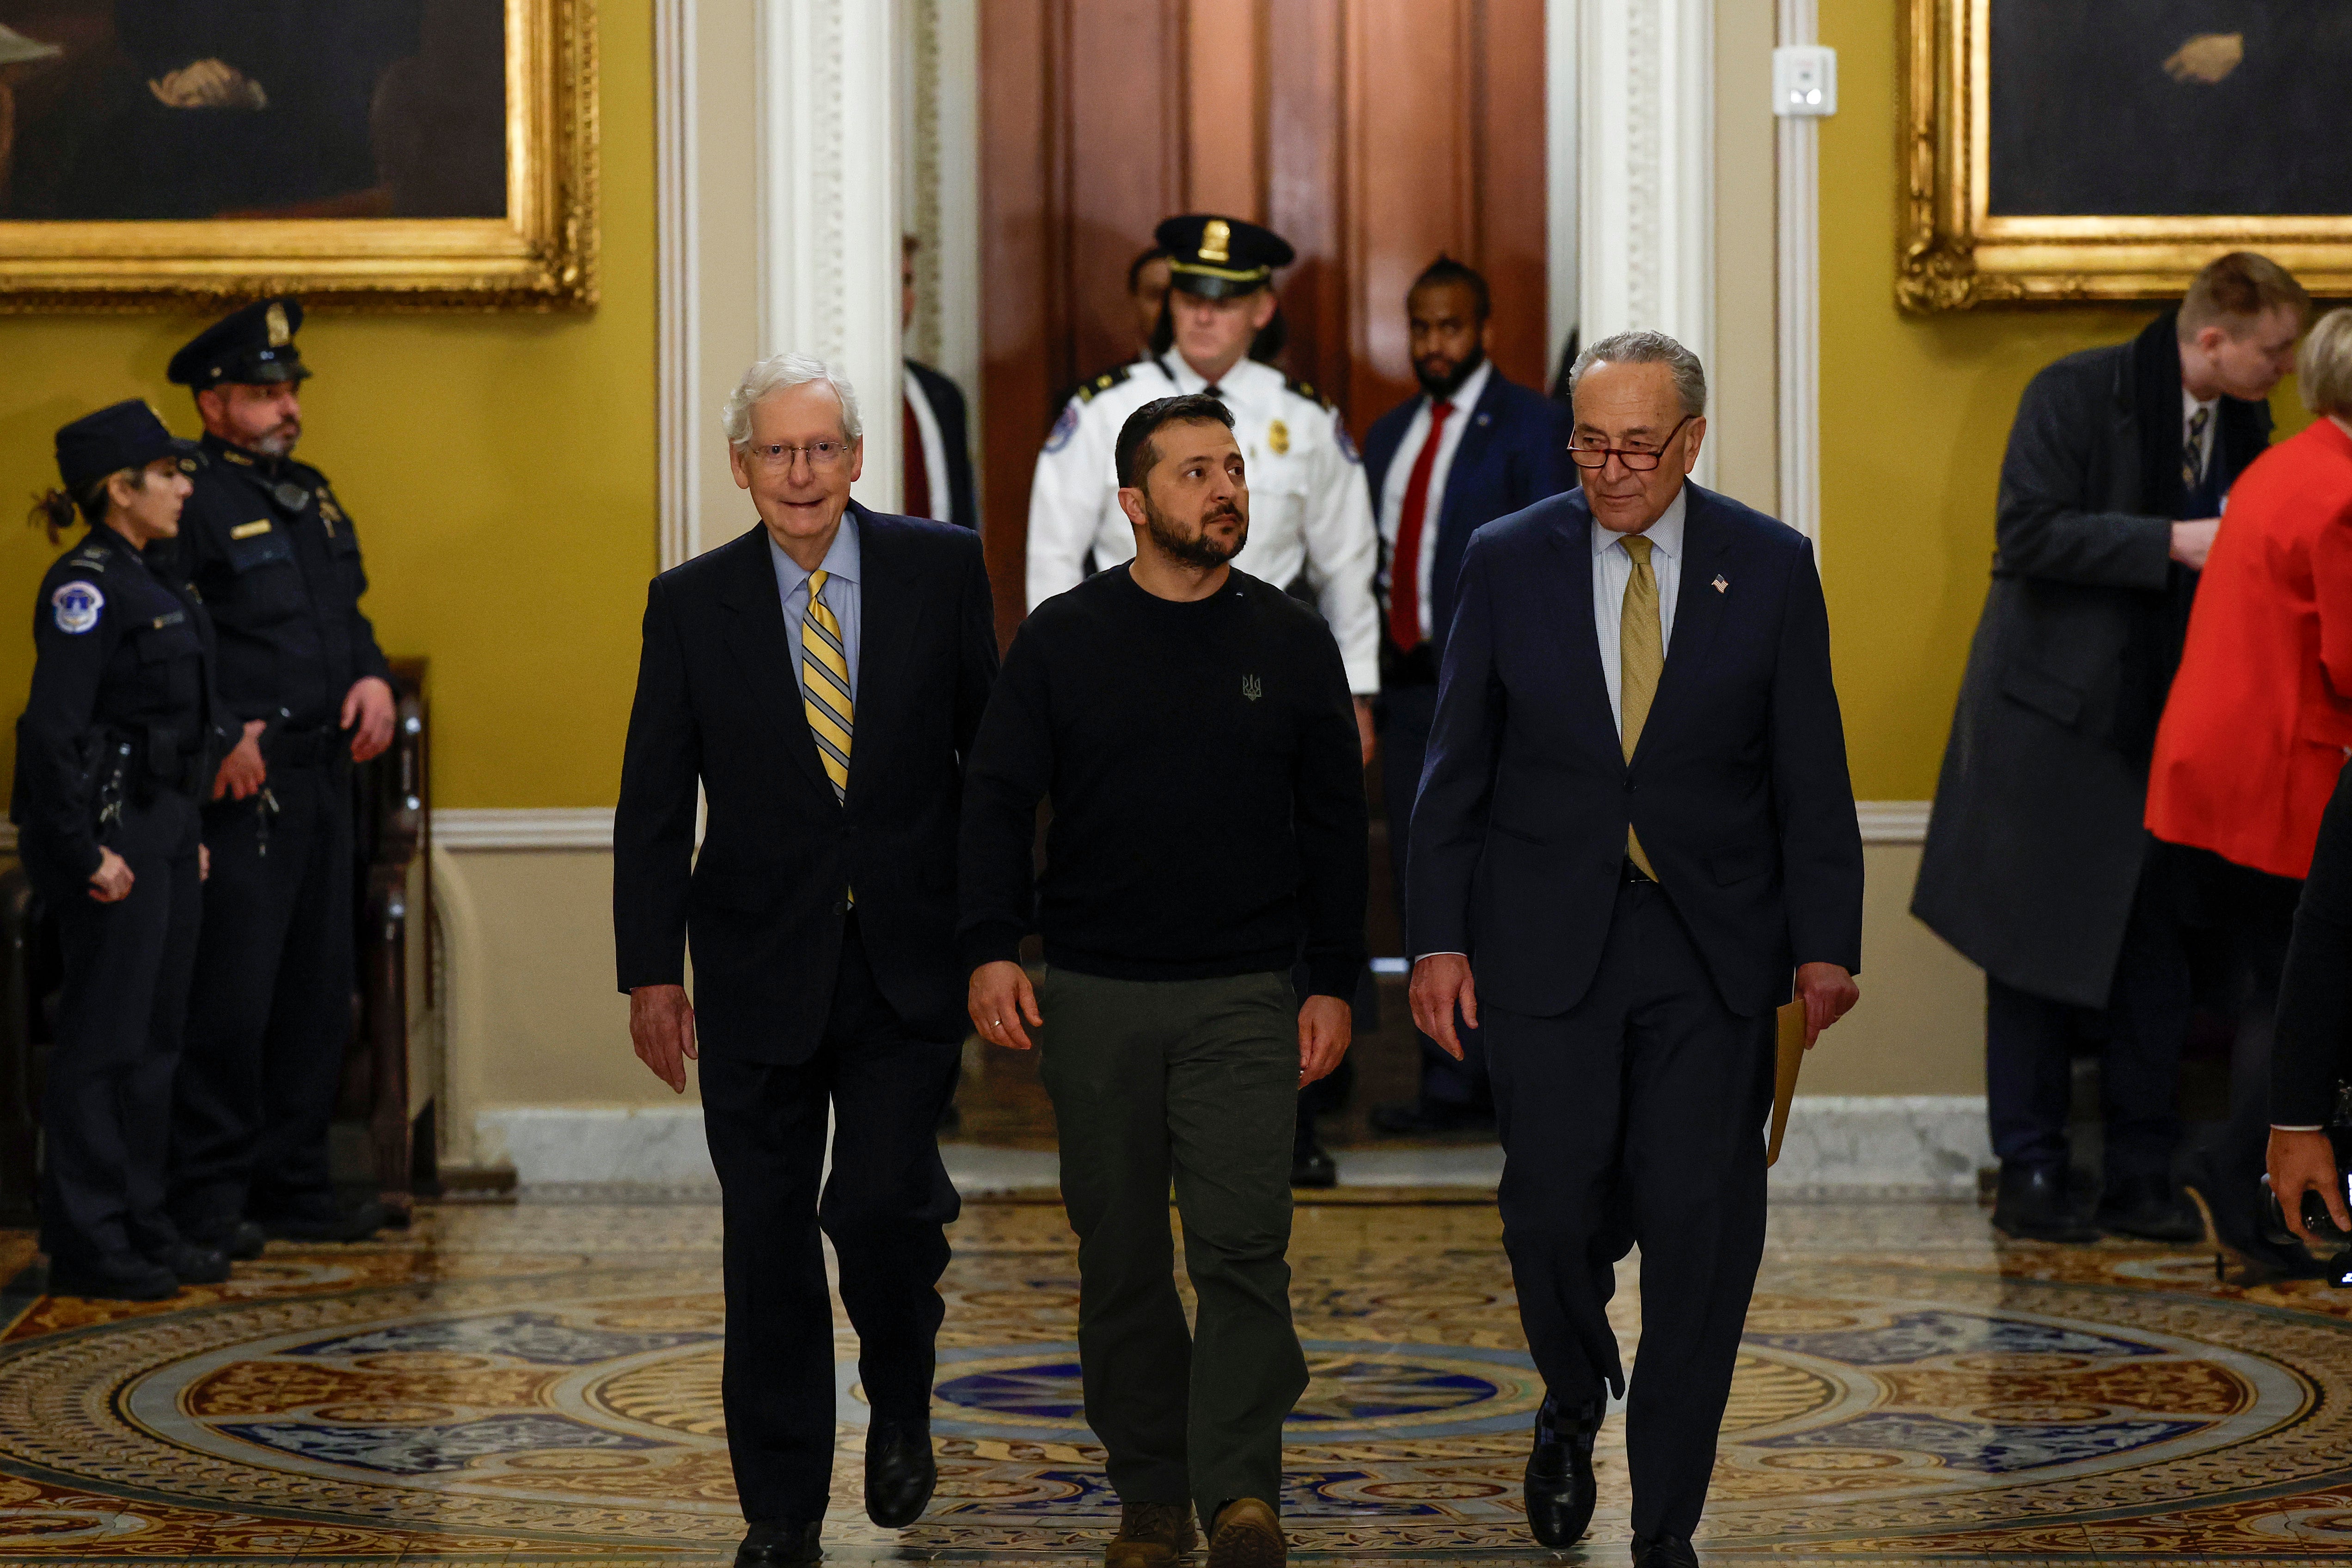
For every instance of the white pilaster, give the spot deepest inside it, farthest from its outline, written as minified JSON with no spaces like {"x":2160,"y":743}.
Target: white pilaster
{"x":829,"y":225}
{"x":1561,"y":25}
{"x":1800,"y":299}
{"x":678,"y":216}
{"x":1645,"y":69}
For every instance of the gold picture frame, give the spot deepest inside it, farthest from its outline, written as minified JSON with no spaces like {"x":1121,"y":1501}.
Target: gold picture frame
{"x":1953,"y":254}
{"x":540,"y":256}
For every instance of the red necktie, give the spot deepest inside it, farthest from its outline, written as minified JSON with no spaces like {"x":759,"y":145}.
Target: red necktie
{"x":1404,"y":563}
{"x":917,"y":499}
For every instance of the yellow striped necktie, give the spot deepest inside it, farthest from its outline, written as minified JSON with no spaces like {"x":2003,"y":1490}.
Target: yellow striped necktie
{"x":1641,"y":654}
{"x":825,"y":685}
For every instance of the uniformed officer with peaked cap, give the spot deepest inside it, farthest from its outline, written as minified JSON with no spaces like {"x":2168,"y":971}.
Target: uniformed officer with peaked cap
{"x":274,"y":553}
{"x":1311,"y":513}
{"x":114,"y":752}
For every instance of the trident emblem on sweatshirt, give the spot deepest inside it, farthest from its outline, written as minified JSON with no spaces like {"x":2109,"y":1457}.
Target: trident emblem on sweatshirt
{"x":1251,"y":689}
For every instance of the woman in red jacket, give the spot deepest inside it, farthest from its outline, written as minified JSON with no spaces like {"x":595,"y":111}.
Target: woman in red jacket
{"x":2255,"y":733}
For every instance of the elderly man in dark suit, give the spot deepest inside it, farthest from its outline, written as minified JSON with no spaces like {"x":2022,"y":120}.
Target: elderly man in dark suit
{"x":1470,"y":446}
{"x":2037,"y":867}
{"x":820,"y":677}
{"x":1635,"y":827}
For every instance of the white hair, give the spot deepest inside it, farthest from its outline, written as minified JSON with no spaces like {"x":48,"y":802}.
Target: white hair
{"x":778,"y":373}
{"x":1643,"y":347}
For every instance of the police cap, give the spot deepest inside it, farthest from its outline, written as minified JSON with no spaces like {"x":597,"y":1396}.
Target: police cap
{"x":126,"y":436}
{"x":1217,"y":258}
{"x":253,"y":345}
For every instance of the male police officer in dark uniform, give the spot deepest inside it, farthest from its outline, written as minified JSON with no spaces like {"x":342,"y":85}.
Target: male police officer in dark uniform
{"x":273,"y":554}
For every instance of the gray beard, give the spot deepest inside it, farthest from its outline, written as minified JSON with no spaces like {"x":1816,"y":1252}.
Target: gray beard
{"x":276,"y":446}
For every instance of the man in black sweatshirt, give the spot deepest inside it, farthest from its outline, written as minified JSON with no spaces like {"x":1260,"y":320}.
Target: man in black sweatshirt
{"x":1194,"y":729}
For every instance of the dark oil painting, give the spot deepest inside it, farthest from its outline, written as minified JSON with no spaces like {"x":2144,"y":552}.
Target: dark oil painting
{"x":2170,"y":108}
{"x":165,"y":109}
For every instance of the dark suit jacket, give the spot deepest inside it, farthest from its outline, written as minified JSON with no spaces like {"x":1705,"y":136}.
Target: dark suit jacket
{"x":717,"y":705}
{"x":2314,"y":1050}
{"x":1514,"y":453}
{"x":2034,"y":849}
{"x":945,"y":399}
{"x":1739,"y":788}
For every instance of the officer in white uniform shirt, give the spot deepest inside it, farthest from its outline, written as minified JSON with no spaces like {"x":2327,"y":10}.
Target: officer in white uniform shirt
{"x":1310,"y":513}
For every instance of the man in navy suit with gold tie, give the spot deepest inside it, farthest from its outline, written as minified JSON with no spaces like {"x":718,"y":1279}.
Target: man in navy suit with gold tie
{"x":1635,"y":837}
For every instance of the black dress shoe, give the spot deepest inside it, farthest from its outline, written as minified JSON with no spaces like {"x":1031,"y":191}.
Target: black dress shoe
{"x":1663,"y":1551}
{"x":240,"y":1239}
{"x":327,"y":1225}
{"x":193,"y":1264}
{"x":2032,"y":1207}
{"x":1560,"y":1487}
{"x":2242,"y":1253}
{"x":1422,"y":1116}
{"x":113,"y":1277}
{"x":1311,"y":1165}
{"x":2149,"y":1211}
{"x":781,"y":1541}
{"x":899,"y":1472}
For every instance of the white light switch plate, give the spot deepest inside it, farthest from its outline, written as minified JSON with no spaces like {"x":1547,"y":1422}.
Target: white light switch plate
{"x":1804,"y":79}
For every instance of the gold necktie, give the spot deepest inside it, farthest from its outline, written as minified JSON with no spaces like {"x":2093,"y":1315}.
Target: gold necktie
{"x":1642,"y":653}
{"x":825,"y":682}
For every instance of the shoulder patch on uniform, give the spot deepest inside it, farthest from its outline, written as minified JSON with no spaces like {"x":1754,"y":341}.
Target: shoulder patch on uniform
{"x":1307,"y":391}
{"x":75,"y":607}
{"x":1347,"y":443}
{"x":1064,"y":428}
{"x":1104,"y":382}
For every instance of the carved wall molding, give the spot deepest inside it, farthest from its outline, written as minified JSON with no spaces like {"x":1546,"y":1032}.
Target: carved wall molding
{"x":1645,"y":75}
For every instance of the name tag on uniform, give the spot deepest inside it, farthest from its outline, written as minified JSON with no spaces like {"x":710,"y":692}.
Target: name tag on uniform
{"x":259,"y":525}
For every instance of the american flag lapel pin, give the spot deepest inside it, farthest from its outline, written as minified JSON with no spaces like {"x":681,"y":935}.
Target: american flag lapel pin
{"x":1720,"y":584}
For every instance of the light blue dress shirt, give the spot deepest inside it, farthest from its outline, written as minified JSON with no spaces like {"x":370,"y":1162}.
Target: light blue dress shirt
{"x":841,"y":595}
{"x":1612,"y":568}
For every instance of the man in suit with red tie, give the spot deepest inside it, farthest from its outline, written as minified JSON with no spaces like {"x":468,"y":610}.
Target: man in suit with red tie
{"x":1472,"y":446}
{"x":821,"y":679}
{"x":935,"y":431}
{"x":1634,"y":827}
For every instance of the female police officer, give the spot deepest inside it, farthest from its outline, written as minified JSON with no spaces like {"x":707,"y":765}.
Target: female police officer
{"x":116,"y":746}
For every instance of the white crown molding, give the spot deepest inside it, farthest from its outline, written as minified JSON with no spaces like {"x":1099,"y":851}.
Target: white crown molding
{"x":1645,"y":72}
{"x":528,"y":828}
{"x":1894,"y":821}
{"x":1800,"y":227}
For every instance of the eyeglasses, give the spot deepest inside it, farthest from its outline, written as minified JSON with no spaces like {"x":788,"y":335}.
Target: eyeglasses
{"x":820,"y":454}
{"x":1639,"y":460}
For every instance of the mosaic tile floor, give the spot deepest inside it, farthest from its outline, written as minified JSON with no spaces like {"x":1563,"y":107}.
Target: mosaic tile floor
{"x":540,"y":1384}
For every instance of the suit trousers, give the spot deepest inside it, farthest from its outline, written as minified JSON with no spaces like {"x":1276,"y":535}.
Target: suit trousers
{"x":1196,"y":1080}
{"x":270,"y":1014}
{"x":886,"y":1205}
{"x":106,"y":1112}
{"x":1405,"y":713}
{"x":1637,"y":1118}
{"x":2030,"y":1042}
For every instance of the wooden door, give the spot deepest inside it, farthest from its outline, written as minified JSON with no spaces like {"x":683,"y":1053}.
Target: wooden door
{"x":1371,"y":134}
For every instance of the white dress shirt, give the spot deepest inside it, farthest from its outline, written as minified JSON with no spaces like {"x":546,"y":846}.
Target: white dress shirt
{"x":1399,"y":476}
{"x":1612,"y":568}
{"x":935,"y":450}
{"x":841,"y":596}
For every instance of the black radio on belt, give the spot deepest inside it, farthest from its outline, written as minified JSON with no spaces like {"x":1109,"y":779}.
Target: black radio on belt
{"x":2330,"y":1243}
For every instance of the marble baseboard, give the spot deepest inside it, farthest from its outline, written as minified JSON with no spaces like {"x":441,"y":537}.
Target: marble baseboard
{"x":1837,"y":1145}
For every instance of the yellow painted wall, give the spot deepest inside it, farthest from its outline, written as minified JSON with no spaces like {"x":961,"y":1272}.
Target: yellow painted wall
{"x":501,"y":469}
{"x":1915,"y":411}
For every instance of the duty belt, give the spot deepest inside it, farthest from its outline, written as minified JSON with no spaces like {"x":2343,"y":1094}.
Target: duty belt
{"x":303,"y":747}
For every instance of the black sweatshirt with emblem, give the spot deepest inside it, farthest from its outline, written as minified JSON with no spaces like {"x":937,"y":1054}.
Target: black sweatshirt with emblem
{"x":1206,"y":786}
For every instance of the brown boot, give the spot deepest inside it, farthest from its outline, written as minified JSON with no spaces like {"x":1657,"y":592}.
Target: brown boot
{"x":1246,"y":1535}
{"x":1151,"y":1535}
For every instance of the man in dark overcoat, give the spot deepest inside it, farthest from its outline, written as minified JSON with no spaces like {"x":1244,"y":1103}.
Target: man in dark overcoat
{"x":2037,"y":867}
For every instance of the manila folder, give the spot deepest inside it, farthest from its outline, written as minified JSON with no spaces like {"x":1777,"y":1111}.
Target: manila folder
{"x":1788,"y":1057}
